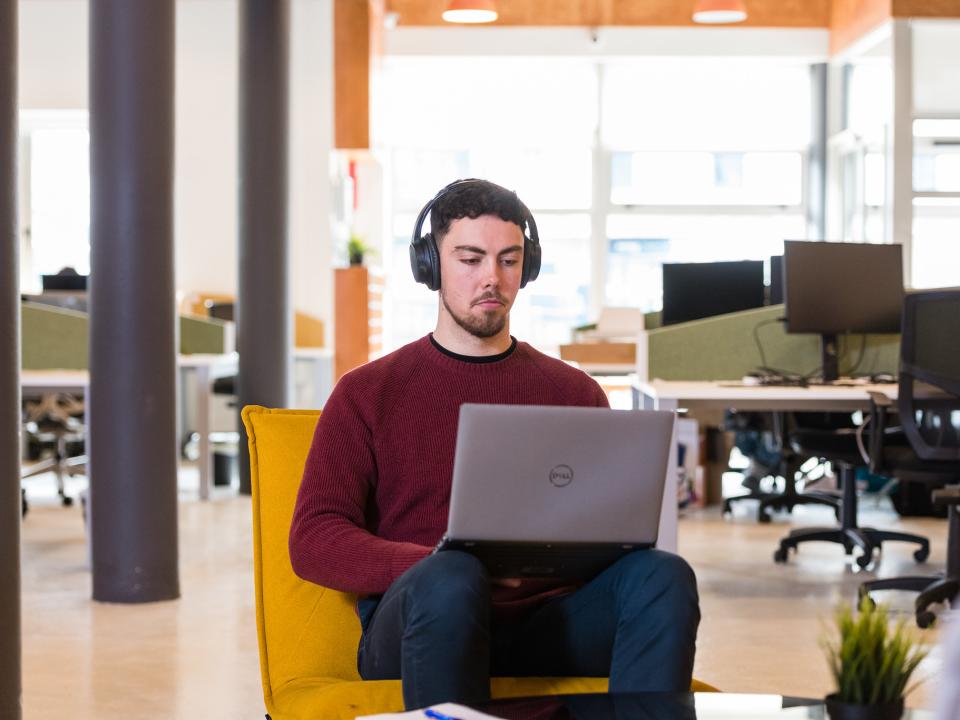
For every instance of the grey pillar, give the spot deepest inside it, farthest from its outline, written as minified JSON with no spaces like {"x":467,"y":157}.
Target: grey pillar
{"x":10,"y":673}
{"x":263,"y":305}
{"x":132,"y":404}
{"x":817,"y":160}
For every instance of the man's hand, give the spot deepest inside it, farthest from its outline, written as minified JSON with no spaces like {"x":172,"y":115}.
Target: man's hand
{"x":506,"y":582}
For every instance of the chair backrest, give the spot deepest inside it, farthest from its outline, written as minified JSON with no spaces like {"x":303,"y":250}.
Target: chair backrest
{"x":305,"y":630}
{"x":929,"y":391}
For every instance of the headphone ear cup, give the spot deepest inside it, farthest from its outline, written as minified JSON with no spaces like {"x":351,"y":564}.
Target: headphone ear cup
{"x":433,"y":261}
{"x":425,"y":261}
{"x":420,"y":263}
{"x":417,"y":266}
{"x":531,"y":261}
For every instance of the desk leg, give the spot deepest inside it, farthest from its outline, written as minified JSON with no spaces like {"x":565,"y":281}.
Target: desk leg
{"x":642,"y":401}
{"x":205,"y":460}
{"x":667,"y":538}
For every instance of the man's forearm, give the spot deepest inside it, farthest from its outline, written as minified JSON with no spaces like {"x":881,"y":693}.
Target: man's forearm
{"x":344,"y":557}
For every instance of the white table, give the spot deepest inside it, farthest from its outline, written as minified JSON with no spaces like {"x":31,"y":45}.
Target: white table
{"x":314,"y":365}
{"x":207,"y":368}
{"x":41,"y":382}
{"x":683,"y":395}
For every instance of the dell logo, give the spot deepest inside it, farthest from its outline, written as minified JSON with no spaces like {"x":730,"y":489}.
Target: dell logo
{"x":561,"y":475}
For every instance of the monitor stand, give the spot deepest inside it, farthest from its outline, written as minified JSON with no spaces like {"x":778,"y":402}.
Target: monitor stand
{"x":830,"y":358}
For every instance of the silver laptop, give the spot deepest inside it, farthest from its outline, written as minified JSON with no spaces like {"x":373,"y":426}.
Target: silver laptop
{"x":556,"y":491}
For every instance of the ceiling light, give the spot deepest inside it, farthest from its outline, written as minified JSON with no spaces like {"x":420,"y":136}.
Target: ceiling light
{"x":470,"y":11}
{"x":718,"y":12}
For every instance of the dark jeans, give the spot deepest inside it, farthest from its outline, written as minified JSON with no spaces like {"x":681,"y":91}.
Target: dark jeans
{"x":636,"y":622}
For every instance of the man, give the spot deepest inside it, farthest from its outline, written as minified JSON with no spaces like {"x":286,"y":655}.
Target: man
{"x":376,"y":487}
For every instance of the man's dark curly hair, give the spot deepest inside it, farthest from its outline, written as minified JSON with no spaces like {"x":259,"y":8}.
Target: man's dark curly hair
{"x":473,"y":199}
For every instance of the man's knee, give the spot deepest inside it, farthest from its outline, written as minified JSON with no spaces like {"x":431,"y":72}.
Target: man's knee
{"x":660,"y":572}
{"x":449,"y":583}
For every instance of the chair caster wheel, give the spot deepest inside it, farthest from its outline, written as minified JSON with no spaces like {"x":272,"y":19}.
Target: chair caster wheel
{"x":66,"y":501}
{"x":780,"y":556}
{"x":922,"y":554}
{"x":763,"y":517}
{"x":925,"y":618}
{"x":864,"y":560}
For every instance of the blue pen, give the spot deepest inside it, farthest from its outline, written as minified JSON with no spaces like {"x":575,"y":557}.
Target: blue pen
{"x":438,"y":715}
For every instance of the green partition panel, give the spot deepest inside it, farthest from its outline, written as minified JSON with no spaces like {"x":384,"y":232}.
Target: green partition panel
{"x":57,"y":339}
{"x":652,"y":320}
{"x":727,"y":347}
{"x":202,"y":335}
{"x":53,"y":338}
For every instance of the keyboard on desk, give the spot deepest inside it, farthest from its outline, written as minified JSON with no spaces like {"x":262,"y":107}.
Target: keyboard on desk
{"x":786,"y":381}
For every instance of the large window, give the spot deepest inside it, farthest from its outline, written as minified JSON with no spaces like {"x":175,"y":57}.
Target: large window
{"x":527,"y":125}
{"x":56,"y":149}
{"x":626,"y":165}
{"x":864,"y":187}
{"x":706,"y":162}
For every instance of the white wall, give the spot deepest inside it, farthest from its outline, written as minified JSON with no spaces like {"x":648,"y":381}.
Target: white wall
{"x":810,"y":44}
{"x":53,"y":54}
{"x":53,"y":75}
{"x":311,"y":140}
{"x":205,"y":185}
{"x":936,"y":61}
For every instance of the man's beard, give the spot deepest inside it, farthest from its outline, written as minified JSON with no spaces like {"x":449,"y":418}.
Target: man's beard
{"x":486,"y":326}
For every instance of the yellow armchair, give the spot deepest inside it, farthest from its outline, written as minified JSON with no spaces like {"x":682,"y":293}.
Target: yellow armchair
{"x":309,"y":634}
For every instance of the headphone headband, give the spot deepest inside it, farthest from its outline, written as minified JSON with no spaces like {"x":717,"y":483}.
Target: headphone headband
{"x":425,"y":256}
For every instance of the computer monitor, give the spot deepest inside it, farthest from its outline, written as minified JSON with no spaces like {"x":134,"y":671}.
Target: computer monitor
{"x":832,"y":288}
{"x":775,"y":296}
{"x":64,"y":282}
{"x":697,"y":290}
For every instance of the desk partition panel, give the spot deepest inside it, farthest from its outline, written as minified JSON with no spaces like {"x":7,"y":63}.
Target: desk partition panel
{"x":727,"y":347}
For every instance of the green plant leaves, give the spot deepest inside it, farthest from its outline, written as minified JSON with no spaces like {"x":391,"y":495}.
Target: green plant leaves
{"x":871,"y":661}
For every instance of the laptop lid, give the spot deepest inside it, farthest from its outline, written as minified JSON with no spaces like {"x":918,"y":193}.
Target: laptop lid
{"x":527,"y":473}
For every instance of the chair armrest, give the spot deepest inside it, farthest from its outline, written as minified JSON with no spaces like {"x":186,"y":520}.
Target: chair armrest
{"x":879,"y":407}
{"x":949,"y":495}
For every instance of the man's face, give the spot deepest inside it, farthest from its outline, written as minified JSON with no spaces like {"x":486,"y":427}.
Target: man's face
{"x":480,"y":265}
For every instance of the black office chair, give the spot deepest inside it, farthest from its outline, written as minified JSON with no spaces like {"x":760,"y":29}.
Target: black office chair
{"x":841,"y":449}
{"x":786,"y":464}
{"x":54,"y":424}
{"x":928,"y":402}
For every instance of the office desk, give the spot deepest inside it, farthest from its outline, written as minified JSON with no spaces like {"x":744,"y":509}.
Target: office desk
{"x":41,"y":382}
{"x":683,"y":395}
{"x":207,"y":368}
{"x":313,"y":377}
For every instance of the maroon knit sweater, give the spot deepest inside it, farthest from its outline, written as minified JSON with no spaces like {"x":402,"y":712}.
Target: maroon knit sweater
{"x":376,"y":485}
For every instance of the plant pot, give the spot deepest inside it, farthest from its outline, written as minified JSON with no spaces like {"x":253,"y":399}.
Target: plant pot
{"x":838,"y":710}
{"x":356,"y":260}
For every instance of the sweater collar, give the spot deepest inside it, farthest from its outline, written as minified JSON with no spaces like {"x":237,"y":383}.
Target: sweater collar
{"x":475,"y":359}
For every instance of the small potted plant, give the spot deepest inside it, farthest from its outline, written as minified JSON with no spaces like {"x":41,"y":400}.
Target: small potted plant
{"x":871,"y":662}
{"x":356,"y":249}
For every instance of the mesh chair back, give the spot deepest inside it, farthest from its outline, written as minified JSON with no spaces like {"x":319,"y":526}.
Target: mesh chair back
{"x":929,"y":392}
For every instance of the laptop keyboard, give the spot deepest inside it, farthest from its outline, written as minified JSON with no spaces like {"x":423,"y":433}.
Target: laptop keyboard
{"x":573,"y":561}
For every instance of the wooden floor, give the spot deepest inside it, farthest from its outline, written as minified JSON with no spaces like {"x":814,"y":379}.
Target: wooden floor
{"x":197,"y":656}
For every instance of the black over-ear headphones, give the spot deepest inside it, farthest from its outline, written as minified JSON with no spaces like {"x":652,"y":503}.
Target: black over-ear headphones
{"x":425,"y":257}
